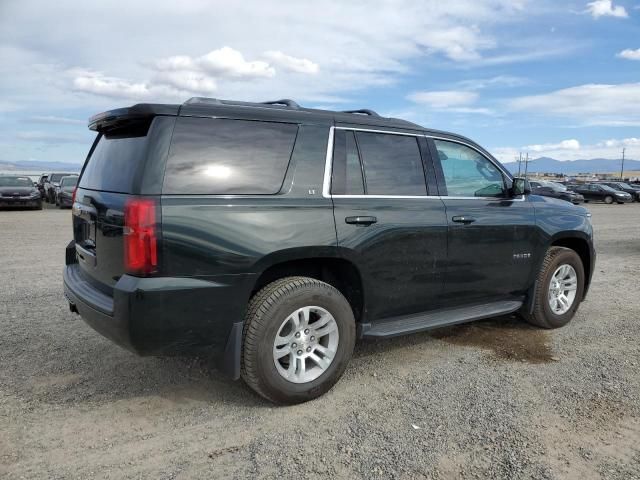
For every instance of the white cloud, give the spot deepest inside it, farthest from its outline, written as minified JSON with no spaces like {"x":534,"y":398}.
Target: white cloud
{"x":227,"y":62}
{"x":497,"y":81}
{"x":573,"y":150}
{"x":53,"y":119}
{"x":605,"y":8}
{"x":443,"y":98}
{"x":572,"y":144}
{"x":187,"y":81}
{"x":630,"y":54}
{"x":97,"y":83}
{"x":593,"y":104}
{"x":293,"y":64}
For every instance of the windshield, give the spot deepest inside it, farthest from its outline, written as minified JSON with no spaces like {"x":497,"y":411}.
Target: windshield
{"x":69,"y":182}
{"x":558,"y":187}
{"x":15,"y":182}
{"x":607,"y":188}
{"x":625,"y":185}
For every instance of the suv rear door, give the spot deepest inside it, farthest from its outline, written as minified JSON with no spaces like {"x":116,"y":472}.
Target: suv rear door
{"x":387,"y":222}
{"x":491,"y":237}
{"x":123,"y":163}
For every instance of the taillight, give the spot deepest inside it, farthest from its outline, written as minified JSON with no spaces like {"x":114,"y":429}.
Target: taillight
{"x":140,"y":237}
{"x":73,"y":196}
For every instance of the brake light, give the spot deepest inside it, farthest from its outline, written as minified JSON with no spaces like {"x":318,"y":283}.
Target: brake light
{"x":140,"y":237}
{"x":73,"y":196}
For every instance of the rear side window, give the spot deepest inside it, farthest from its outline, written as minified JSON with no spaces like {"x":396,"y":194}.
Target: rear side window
{"x":347,"y":172}
{"x":114,"y":162}
{"x":392,"y":164}
{"x":219,"y":156}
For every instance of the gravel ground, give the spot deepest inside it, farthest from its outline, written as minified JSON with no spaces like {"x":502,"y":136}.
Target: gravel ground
{"x":494,"y":399}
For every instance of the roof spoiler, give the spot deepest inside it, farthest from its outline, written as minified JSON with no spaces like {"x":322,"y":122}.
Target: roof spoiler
{"x":121,"y":117}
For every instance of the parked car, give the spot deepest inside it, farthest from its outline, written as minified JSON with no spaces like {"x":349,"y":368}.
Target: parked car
{"x":53,"y":182}
{"x":19,"y":191}
{"x":604,"y":193}
{"x":40,"y":184}
{"x":64,"y":193}
{"x":272,"y":236}
{"x":625,"y":187}
{"x":555,"y":190}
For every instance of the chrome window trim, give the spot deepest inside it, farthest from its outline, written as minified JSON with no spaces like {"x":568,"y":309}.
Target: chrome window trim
{"x":326,"y":184}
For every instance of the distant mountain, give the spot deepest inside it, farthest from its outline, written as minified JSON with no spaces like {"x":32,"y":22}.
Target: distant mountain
{"x":595,"y":165}
{"x":41,"y":166}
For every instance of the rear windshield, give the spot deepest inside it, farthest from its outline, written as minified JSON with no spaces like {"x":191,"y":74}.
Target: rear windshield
{"x":219,"y":156}
{"x":69,"y":182}
{"x":15,"y":182}
{"x":56,"y":177}
{"x":113,"y":163}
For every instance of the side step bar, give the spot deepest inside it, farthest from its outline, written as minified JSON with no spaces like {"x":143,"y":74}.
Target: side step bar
{"x":395,"y":326}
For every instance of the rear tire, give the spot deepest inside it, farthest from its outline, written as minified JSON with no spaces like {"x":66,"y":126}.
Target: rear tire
{"x":272,"y":310}
{"x":543,"y":314}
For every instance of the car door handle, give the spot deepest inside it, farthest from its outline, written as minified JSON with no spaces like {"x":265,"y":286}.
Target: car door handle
{"x":366,"y":221}
{"x":466,"y":219}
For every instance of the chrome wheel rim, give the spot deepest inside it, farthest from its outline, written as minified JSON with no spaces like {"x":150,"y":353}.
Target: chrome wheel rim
{"x":306,"y":344}
{"x":562,"y":289}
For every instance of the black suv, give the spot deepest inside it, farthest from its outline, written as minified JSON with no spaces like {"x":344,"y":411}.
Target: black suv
{"x":51,"y":185}
{"x":273,"y":236}
{"x":64,"y":193}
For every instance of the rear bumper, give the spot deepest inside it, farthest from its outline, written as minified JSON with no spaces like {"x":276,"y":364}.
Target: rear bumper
{"x":64,"y":201}
{"x":166,"y":315}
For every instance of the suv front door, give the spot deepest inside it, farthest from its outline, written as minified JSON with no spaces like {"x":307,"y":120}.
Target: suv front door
{"x":491,"y":237}
{"x":386,"y":222}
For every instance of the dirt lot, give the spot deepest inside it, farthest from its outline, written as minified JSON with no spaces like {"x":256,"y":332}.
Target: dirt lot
{"x":495,"y":399}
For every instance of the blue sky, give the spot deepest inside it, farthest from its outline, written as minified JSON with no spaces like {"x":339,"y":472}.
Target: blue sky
{"x":551,"y":78}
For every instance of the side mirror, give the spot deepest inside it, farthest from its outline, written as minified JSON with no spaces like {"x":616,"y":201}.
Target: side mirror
{"x":520,"y":186}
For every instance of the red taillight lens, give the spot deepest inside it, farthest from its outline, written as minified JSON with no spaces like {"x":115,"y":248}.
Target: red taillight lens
{"x":73,"y":196}
{"x":140,"y":237}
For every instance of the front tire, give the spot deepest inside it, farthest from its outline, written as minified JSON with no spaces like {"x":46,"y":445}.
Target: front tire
{"x":298,"y":338}
{"x":559,"y":289}
{"x":608,"y":199}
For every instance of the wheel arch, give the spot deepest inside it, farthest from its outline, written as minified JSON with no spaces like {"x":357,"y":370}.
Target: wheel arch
{"x":581,"y":245}
{"x":325,"y":266}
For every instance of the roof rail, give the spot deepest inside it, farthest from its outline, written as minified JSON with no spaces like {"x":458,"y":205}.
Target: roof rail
{"x":362,"y":111}
{"x":284,"y":101}
{"x":192,"y":100}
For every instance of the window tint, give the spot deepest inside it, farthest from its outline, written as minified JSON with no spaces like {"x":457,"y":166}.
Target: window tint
{"x":15,"y":182}
{"x":214,"y":156}
{"x":69,"y":182}
{"x":114,"y":163}
{"x":392,"y":164}
{"x":347,"y":172}
{"x":56,"y":177}
{"x":467,"y":173}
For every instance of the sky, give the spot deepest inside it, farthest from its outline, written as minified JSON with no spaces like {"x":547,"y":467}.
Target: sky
{"x":552,"y":78}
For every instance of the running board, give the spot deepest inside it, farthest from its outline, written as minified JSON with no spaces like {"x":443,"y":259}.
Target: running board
{"x":395,"y":326}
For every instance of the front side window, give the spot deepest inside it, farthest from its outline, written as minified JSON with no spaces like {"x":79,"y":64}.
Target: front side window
{"x":467,"y":173}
